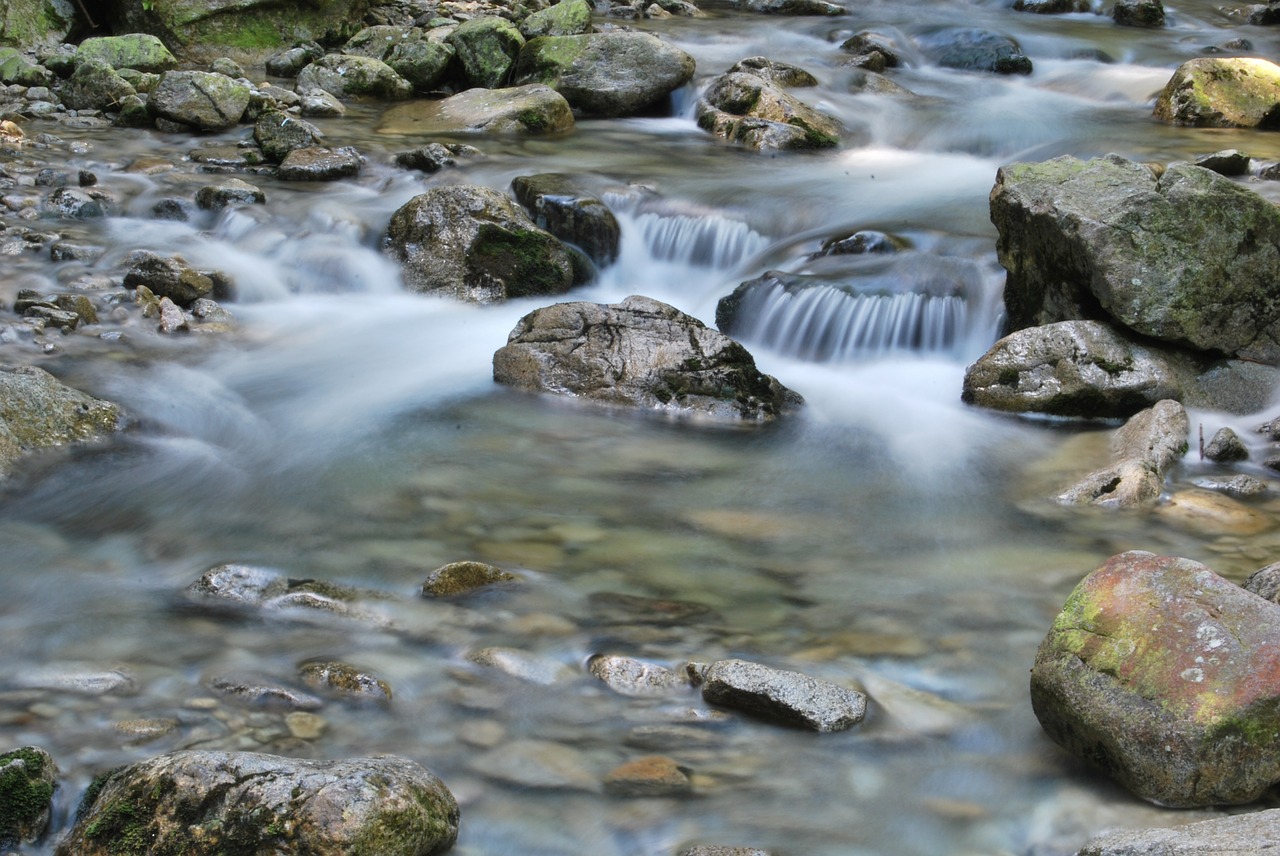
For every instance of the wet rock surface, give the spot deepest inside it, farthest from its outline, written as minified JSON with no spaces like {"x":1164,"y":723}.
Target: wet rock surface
{"x":1142,"y":453}
{"x":747,"y":109}
{"x":37,"y":410}
{"x":788,"y":697}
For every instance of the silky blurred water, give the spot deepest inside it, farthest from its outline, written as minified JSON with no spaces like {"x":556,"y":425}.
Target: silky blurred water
{"x":887,"y":537}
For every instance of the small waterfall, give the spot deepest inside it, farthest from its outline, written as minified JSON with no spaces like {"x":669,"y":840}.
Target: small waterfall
{"x":828,"y":324}
{"x":706,"y":239}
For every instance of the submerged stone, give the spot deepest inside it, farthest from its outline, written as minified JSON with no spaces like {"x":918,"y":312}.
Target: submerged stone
{"x":457,"y":578}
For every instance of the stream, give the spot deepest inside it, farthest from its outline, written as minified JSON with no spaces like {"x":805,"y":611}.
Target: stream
{"x":886,"y":537}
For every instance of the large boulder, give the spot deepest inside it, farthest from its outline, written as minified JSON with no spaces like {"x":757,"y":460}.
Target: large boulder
{"x":425,"y":63}
{"x":487,"y":48}
{"x":1222,"y":92}
{"x":618,"y":73}
{"x":354,"y":76}
{"x":639,"y":353}
{"x":199,"y":99}
{"x":139,"y":51}
{"x":1166,"y":677}
{"x":37,"y":410}
{"x":558,"y":204}
{"x":565,"y":18}
{"x":1142,"y":452}
{"x":475,"y":244}
{"x":33,"y":23}
{"x":530,"y":109}
{"x":95,"y":85}
{"x":748,"y":109}
{"x":1187,"y":258}
{"x":28,"y":777}
{"x":203,"y":803}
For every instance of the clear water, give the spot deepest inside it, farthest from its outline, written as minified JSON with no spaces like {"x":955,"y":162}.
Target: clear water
{"x":887,"y":537}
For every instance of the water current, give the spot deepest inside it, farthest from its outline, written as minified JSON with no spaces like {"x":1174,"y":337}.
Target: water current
{"x":887,"y":537}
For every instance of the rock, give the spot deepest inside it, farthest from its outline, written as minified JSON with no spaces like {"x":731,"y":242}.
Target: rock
{"x":747,"y":109}
{"x":228,"y":66}
{"x":972,"y":49}
{"x":522,"y":665}
{"x":262,"y":692}
{"x":1142,"y":452}
{"x":722,"y":850}
{"x":139,"y":51}
{"x":249,"y":585}
{"x":317,"y":102}
{"x":612,"y":608}
{"x":37,"y":411}
{"x":200,"y":99}
{"x":172,"y":318}
{"x":434,"y":157}
{"x":352,"y":76}
{"x":316,"y":163}
{"x":872,"y":51}
{"x":537,"y":764}
{"x":425,"y":63}
{"x":572,"y":214}
{"x":778,"y":73}
{"x":1199,"y":277}
{"x":475,"y":244}
{"x":639,"y":353}
{"x":203,"y":803}
{"x":1052,"y":7}
{"x":1222,"y":92}
{"x":133,"y":112}
{"x":278,"y":133}
{"x":168,"y":276}
{"x":1238,"y":485}
{"x":791,"y":7}
{"x":345,"y":680}
{"x":1164,"y":676}
{"x":1138,"y":13}
{"x":619,"y":73}
{"x":631,"y":677}
{"x":376,"y":41}
{"x":788,"y":697}
{"x":232,"y":191}
{"x":1265,"y":582}
{"x":28,"y":777}
{"x":650,"y":776}
{"x":1226,"y":446}
{"x":17,"y":67}
{"x":95,"y":85}
{"x":72,"y":204}
{"x":1270,"y":429}
{"x":1232,"y":163}
{"x":860,"y":242}
{"x":1209,"y":513}
{"x":565,"y":18}
{"x":1252,"y":834}
{"x":289,"y":62}
{"x":531,"y":109}
{"x":35,"y":22}
{"x":458,"y":578}
{"x":487,"y":48}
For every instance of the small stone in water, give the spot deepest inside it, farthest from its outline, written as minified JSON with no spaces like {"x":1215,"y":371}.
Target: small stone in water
{"x":305,"y":726}
{"x":650,"y":776}
{"x":463,"y":578}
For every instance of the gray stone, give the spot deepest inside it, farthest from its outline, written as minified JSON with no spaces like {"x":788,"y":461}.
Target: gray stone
{"x":973,"y":49}
{"x":260,"y":691}
{"x":289,"y":62}
{"x":475,"y":244}
{"x":73,"y":204}
{"x":36,"y":411}
{"x":345,"y":680}
{"x":199,"y":99}
{"x":249,"y":585}
{"x":1237,"y":485}
{"x":172,"y":318}
{"x":1148,"y":14}
{"x":425,"y":63}
{"x":277,"y":133}
{"x":530,"y":109}
{"x":631,"y":677}
{"x":318,"y":103}
{"x":1222,"y":92}
{"x":792,"y":7}
{"x":1187,"y":258}
{"x":722,"y":850}
{"x":377,"y":41}
{"x":778,"y":73}
{"x":316,"y":163}
{"x":167,"y":276}
{"x":538,"y":764}
{"x":1265,"y":582}
{"x":434,"y":157}
{"x":747,"y":109}
{"x":36,"y":22}
{"x":231,"y":191}
{"x":1226,"y":446}
{"x":352,"y":76}
{"x":562,"y":207}
{"x":639,"y":353}
{"x":788,"y":697}
{"x":203,"y":803}
{"x":1142,"y":452}
{"x":95,"y":85}
{"x":1252,"y":834}
{"x":565,"y":18}
{"x":618,"y":73}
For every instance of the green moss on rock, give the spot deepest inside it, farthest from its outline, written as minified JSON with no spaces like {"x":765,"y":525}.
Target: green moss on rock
{"x":27,"y":782}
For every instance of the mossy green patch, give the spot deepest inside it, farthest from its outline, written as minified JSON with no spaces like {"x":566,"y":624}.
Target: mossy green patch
{"x":526,"y":261}
{"x":25,"y":793}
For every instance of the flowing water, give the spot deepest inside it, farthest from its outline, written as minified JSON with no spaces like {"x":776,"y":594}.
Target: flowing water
{"x":887,"y":537}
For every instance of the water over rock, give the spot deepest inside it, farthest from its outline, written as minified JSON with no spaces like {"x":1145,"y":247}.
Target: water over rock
{"x":199,"y":99}
{"x":788,"y":697}
{"x":1142,"y":452}
{"x":610,"y":74}
{"x":1251,"y":834}
{"x":1166,"y":677}
{"x":203,"y":803}
{"x":747,"y":109}
{"x":28,"y":777}
{"x":560,"y":205}
{"x":475,"y":244}
{"x":1188,"y":258}
{"x":37,"y":410}
{"x":1222,"y":92}
{"x":168,"y":276}
{"x":530,"y":109}
{"x":640,"y":353}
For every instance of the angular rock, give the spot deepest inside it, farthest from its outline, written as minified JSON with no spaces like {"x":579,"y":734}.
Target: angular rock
{"x":28,"y":777}
{"x":232,"y":191}
{"x":778,"y":73}
{"x":1167,"y":678}
{"x":531,"y":109}
{"x":317,"y":102}
{"x":1222,"y":92}
{"x":172,"y":318}
{"x":1238,"y":485}
{"x":639,"y":353}
{"x":277,"y":133}
{"x":1142,"y":452}
{"x":565,"y":18}
{"x":872,"y":51}
{"x":288,"y":63}
{"x":425,"y":63}
{"x":1148,"y":14}
{"x":353,"y":76}
{"x":475,"y":244}
{"x":972,"y":49}
{"x":345,"y":680}
{"x":168,"y":276}
{"x":788,"y":697}
{"x":572,"y":214}
{"x":1187,"y":258}
{"x":1232,"y":163}
{"x":317,"y":163}
{"x":650,"y":776}
{"x":139,"y":51}
{"x":458,"y":578}
{"x":434,"y":157}
{"x":95,"y":85}
{"x":199,"y":99}
{"x":205,"y":803}
{"x":1226,"y":446}
{"x":1252,"y":834}
{"x":37,"y":410}
{"x":487,"y":48}
{"x":747,"y":109}
{"x":618,"y":73}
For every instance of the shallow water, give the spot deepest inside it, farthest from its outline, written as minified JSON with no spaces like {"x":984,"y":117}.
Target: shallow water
{"x":887,"y":537}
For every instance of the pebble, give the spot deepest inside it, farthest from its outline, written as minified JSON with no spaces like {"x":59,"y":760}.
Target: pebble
{"x":305,"y":726}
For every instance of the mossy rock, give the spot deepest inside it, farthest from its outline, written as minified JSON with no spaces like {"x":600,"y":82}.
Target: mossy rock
{"x":566,"y":18}
{"x":457,"y":578}
{"x":33,"y":23}
{"x":1222,"y":92}
{"x":139,"y":51}
{"x":487,"y":48}
{"x":28,"y":777}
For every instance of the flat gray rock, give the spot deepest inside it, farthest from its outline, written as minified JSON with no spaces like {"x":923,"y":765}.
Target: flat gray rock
{"x":789,"y":697}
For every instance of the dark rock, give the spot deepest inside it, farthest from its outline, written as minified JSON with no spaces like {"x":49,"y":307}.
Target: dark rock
{"x":1222,"y":92}
{"x":618,"y":73}
{"x":434,"y":157}
{"x":1138,"y":13}
{"x":425,"y":63}
{"x":1231,"y":163}
{"x":167,"y":276}
{"x":1226,"y":446}
{"x":778,"y":73}
{"x":869,"y":45}
{"x":971,"y":49}
{"x":639,"y":353}
{"x":205,"y":803}
{"x":278,"y":133}
{"x":95,"y":86}
{"x":316,"y":163}
{"x":199,"y":99}
{"x":28,"y":777}
{"x":289,"y":62}
{"x":1162,"y":674}
{"x":789,"y":697}
{"x":476,"y":244}
{"x":457,"y":578}
{"x":249,"y":585}
{"x":172,"y":209}
{"x":747,"y":109}
{"x":1052,"y":7}
{"x":74,"y":204}
{"x":487,"y":48}
{"x":862,"y":241}
{"x":570,"y":213}
{"x":232,"y":191}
